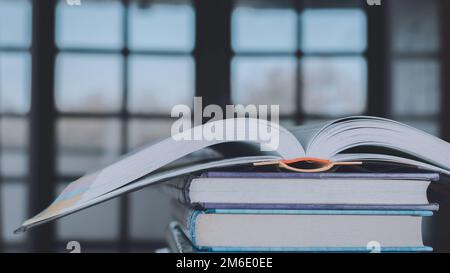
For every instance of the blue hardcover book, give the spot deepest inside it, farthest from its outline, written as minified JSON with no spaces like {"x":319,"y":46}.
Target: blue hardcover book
{"x":304,"y":191}
{"x":244,"y":230}
{"x":177,"y":241}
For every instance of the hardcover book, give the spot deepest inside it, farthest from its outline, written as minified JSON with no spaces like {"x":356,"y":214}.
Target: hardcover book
{"x":284,"y":190}
{"x":237,"y":230}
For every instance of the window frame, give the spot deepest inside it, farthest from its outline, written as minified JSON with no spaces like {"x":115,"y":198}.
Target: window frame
{"x":22,"y":180}
{"x":299,"y":116}
{"x":124,"y":116}
{"x":432,"y":55}
{"x":217,"y":33}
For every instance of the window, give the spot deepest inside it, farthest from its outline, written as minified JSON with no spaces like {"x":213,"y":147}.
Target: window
{"x":283,"y":55}
{"x":15,"y":81}
{"x":415,"y":63}
{"x":121,"y":65}
{"x":115,"y":87}
{"x":152,"y":85}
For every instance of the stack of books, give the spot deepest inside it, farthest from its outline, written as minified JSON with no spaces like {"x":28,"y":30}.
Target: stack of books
{"x":281,"y":211}
{"x":351,"y":184}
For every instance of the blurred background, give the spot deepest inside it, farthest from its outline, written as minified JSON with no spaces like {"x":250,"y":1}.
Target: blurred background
{"x":84,"y":81}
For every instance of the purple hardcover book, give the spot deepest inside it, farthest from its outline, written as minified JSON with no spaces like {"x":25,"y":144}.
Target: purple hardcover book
{"x":318,"y":191}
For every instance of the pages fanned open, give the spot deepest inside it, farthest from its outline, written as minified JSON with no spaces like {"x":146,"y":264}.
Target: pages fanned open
{"x":358,"y":138}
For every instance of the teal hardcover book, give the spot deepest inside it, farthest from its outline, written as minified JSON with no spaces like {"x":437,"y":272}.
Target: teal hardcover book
{"x":247,"y":230}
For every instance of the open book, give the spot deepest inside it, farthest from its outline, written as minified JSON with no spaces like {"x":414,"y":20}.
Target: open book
{"x":356,"y":138}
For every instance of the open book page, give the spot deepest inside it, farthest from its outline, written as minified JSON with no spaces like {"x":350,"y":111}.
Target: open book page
{"x":392,"y":140}
{"x":366,"y":157}
{"x":307,"y":133}
{"x":86,"y":190}
{"x":51,"y":214}
{"x":156,"y":156}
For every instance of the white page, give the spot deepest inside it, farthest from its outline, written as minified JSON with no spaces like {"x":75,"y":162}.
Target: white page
{"x":141,"y":183}
{"x":388,"y":158}
{"x":88,"y":188}
{"x":156,"y":156}
{"x":347,"y":133}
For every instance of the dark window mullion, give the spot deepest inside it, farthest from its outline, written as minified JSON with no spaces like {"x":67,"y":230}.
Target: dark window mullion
{"x":42,"y":122}
{"x":1,"y":181}
{"x":378,"y":67}
{"x":96,"y":51}
{"x":116,"y":115}
{"x":415,"y":55}
{"x":14,"y":49}
{"x":445,"y":69}
{"x":7,"y":180}
{"x":265,"y":53}
{"x":124,"y":200}
{"x":212,"y":51}
{"x":299,"y":113}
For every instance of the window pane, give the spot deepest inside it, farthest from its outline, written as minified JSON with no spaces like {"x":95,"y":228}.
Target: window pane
{"x":92,"y":24}
{"x":87,"y":144}
{"x":14,"y":146}
{"x":143,"y":132}
{"x":89,"y":83}
{"x":416,"y":86}
{"x":15,"y":23}
{"x":334,"y":86}
{"x":257,"y":29}
{"x":333,"y":30}
{"x":159,"y":83}
{"x":100,"y":222}
{"x":14,"y":82}
{"x":415,"y":25}
{"x":160,"y":26}
{"x":14,"y":203}
{"x":149,"y":214}
{"x":264,"y":81}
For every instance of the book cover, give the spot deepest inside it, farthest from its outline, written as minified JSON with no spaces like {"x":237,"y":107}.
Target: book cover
{"x":188,"y":224}
{"x":179,"y":189}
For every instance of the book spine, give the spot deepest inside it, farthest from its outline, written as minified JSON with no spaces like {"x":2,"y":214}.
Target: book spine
{"x":171,"y":239}
{"x":178,"y":188}
{"x":186,"y":217}
{"x":426,"y":207}
{"x":411,"y":249}
{"x":432,"y":177}
{"x":177,"y":239}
